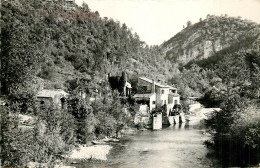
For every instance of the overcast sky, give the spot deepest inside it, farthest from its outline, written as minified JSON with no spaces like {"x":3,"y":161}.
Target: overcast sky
{"x":156,"y":21}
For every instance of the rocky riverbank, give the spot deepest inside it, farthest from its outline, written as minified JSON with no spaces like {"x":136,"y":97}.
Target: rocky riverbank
{"x":98,"y":150}
{"x":95,"y":152}
{"x":198,"y":113}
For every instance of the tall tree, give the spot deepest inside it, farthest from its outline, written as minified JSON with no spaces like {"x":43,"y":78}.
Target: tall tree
{"x":19,"y":56}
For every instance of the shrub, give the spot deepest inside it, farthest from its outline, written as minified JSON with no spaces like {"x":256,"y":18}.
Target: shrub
{"x":236,"y":138}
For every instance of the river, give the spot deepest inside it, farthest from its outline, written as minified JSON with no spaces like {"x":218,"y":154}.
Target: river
{"x":172,"y":147}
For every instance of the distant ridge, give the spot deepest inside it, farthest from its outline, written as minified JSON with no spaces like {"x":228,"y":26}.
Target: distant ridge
{"x":208,"y":37}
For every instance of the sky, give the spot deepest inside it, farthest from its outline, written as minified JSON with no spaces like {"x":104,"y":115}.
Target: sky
{"x":156,"y":21}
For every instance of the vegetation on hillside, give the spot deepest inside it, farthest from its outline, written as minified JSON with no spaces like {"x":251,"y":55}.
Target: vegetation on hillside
{"x":63,"y":44}
{"x":235,"y":129}
{"x":207,"y":37}
{"x":57,"y":45}
{"x":229,"y":79}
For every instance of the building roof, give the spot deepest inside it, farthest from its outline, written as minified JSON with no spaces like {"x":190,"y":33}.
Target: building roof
{"x":175,"y":94}
{"x":156,"y":83}
{"x":52,"y":93}
{"x":147,"y":95}
{"x":193,"y":97}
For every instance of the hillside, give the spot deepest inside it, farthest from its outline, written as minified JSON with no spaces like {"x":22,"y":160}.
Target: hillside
{"x":60,"y":45}
{"x":200,"y":65}
{"x":210,"y":36}
{"x":246,"y":44}
{"x":219,"y":60}
{"x":55,"y":42}
{"x":59,"y":42}
{"x":64,"y":42}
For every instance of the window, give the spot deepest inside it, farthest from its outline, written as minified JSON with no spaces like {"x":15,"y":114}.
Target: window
{"x":62,"y":100}
{"x":173,"y":91}
{"x":175,"y":102}
{"x":170,"y":99}
{"x":153,"y":102}
{"x":42,"y":104}
{"x":162,"y":91}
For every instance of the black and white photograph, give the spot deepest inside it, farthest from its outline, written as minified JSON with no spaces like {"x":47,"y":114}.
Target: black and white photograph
{"x":130,"y":83}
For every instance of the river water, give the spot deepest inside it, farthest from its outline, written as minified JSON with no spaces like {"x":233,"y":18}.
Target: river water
{"x":172,"y":147}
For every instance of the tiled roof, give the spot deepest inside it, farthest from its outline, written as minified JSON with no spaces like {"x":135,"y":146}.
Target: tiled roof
{"x":175,"y":94}
{"x":148,"y":95}
{"x":52,"y":93}
{"x":156,"y":83}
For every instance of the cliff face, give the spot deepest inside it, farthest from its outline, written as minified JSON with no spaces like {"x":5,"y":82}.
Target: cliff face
{"x":205,"y":38}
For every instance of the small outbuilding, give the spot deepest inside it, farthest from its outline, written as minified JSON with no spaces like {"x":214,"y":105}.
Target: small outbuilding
{"x":48,"y":97}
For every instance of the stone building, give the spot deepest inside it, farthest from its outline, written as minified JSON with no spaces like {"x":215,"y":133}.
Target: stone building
{"x":47,"y":97}
{"x":155,"y":94}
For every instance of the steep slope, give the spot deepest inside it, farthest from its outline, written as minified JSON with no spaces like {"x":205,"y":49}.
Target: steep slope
{"x":246,"y":44}
{"x":64,"y":42}
{"x":69,"y":42}
{"x":205,"y":38}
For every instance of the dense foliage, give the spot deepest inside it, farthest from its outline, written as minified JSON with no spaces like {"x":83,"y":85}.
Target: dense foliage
{"x":59,"y":45}
{"x":229,"y":80}
{"x":235,"y":128}
{"x":62,"y":41}
{"x":55,"y":132}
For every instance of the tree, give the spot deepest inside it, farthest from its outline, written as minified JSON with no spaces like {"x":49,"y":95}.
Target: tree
{"x":85,"y":7}
{"x":19,"y":59}
{"x":189,"y":23}
{"x":233,"y":138}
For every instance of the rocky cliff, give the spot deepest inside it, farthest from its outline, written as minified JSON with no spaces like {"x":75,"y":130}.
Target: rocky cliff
{"x":207,"y":37}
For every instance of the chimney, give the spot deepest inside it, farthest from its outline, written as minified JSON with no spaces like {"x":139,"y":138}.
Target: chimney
{"x":153,"y":87}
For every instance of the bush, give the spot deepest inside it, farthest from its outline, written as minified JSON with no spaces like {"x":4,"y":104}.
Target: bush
{"x":46,"y":72}
{"x":47,"y":141}
{"x":236,"y":139}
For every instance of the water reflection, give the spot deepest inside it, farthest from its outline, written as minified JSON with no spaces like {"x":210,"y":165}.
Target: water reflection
{"x":187,"y":125}
{"x":180,"y":145}
{"x":180,"y":126}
